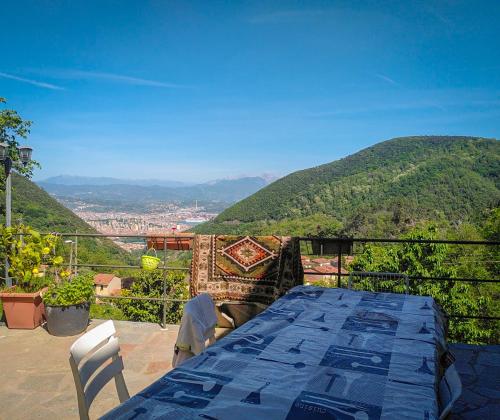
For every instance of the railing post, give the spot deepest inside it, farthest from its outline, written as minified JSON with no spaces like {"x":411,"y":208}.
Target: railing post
{"x":76,"y":253}
{"x":8,"y":216}
{"x":164,"y":283}
{"x":339,"y":266}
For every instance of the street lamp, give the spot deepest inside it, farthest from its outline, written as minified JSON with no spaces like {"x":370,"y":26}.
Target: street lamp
{"x":24,"y":153}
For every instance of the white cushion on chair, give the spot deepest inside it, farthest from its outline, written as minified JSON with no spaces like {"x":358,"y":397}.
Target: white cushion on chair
{"x":197,"y":326}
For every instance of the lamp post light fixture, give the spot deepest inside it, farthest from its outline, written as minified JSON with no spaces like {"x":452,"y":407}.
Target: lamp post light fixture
{"x":24,"y":153}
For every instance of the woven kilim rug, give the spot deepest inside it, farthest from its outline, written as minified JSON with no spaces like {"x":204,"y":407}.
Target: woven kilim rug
{"x":245,"y":268}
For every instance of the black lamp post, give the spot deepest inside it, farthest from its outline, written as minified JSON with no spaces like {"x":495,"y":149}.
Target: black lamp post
{"x":24,"y":153}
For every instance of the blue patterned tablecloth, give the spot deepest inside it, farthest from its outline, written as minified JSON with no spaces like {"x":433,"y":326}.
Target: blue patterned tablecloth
{"x":316,"y":353}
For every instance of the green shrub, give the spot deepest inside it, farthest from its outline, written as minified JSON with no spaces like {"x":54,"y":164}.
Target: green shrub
{"x":429,"y":260}
{"x":150,"y":284}
{"x":106,"y":311}
{"x":27,"y":250}
{"x":79,"y":289}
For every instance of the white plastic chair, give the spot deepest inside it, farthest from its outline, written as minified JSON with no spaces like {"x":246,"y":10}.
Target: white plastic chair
{"x":197,"y":327}
{"x":450,"y":389}
{"x":88,"y":357}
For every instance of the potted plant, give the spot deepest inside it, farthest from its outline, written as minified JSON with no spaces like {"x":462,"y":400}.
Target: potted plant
{"x":26,"y":251}
{"x":67,"y":303}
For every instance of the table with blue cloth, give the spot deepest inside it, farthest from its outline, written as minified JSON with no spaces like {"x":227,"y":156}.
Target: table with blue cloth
{"x":315,"y":353}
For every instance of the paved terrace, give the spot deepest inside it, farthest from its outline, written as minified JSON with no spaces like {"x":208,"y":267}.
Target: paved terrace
{"x":36,"y":380}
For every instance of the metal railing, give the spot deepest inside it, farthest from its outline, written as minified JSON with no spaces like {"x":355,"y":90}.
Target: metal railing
{"x":340,"y":246}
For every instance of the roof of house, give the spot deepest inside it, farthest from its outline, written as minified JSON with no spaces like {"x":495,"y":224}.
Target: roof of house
{"x":322,"y":261}
{"x":328,"y":269}
{"x":325,"y":269}
{"x":308,"y":278}
{"x":103,"y":279}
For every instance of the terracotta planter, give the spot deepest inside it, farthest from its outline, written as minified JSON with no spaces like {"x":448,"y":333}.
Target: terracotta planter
{"x":23,"y":310}
{"x":178,"y":243}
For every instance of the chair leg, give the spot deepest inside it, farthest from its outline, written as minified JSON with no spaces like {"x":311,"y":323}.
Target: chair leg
{"x":121,"y":388}
{"x":83,"y":410}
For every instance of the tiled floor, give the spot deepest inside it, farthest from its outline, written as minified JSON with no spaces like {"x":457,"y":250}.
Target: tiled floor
{"x":36,"y":380}
{"x":479,"y":370}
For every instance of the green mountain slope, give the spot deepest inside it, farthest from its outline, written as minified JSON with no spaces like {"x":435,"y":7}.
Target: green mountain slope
{"x":380,"y":190}
{"x":33,"y":206}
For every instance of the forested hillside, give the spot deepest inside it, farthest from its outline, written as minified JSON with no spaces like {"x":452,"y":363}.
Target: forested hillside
{"x":382,"y":190}
{"x":33,"y":206}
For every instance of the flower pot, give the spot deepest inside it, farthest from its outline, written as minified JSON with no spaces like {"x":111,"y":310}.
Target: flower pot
{"x":177,"y":243}
{"x":23,"y":310}
{"x":67,"y":320}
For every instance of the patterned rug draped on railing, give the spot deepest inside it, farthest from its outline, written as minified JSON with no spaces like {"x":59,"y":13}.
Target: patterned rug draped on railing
{"x":245,"y":268}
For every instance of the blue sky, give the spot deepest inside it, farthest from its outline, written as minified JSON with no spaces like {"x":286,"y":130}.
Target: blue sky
{"x":203,"y":90}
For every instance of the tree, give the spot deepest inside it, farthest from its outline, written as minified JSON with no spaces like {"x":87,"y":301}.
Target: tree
{"x":421,"y":260}
{"x":13,"y":128}
{"x":150,"y":284}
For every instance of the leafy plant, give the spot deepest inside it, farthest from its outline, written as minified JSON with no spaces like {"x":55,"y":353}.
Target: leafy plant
{"x":150,"y":284}
{"x":72,"y":291}
{"x":106,"y":311}
{"x":27,"y":250}
{"x":428,"y":260}
{"x":12,"y":127}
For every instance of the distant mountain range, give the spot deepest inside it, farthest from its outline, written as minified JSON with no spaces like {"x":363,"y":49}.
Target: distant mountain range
{"x":90,"y":180}
{"x":33,"y":206}
{"x":380,"y":190}
{"x":126,"y":195}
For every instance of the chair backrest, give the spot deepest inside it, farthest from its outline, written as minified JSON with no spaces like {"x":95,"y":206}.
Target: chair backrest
{"x":379,"y":282}
{"x":197,"y":326}
{"x":450,"y":389}
{"x":95,"y":360}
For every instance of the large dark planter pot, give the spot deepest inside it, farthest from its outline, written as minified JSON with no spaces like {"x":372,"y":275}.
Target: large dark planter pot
{"x":67,"y":320}
{"x":23,"y":310}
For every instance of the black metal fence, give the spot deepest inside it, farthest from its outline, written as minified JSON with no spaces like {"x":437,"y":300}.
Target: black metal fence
{"x":338,"y":251}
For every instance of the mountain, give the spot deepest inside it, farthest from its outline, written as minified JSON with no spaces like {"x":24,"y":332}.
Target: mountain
{"x":214,"y":196}
{"x":89,"y":180}
{"x":380,"y":190}
{"x":33,"y":206}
